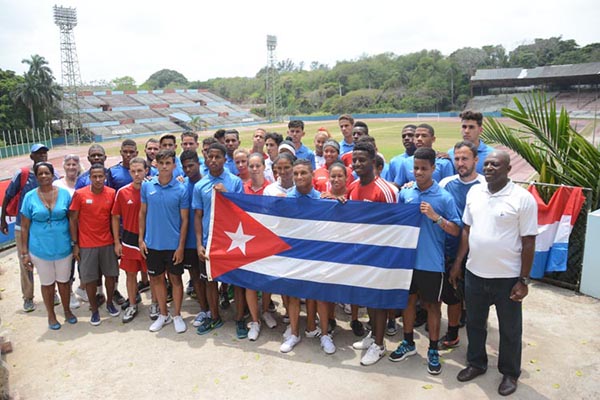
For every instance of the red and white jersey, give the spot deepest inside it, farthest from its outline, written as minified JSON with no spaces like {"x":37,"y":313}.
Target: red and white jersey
{"x":378,"y":190}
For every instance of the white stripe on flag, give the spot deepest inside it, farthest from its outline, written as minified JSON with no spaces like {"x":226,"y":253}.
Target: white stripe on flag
{"x":557,"y":232}
{"x":332,"y":273}
{"x":398,"y":236}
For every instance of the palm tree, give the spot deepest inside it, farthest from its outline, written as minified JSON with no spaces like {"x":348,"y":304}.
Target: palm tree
{"x":28,"y":92}
{"x":548,"y":142}
{"x":38,"y":66}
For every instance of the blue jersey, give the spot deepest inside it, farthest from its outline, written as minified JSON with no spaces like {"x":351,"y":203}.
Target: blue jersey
{"x":483,"y":150}
{"x":203,"y":195}
{"x":346,"y":147}
{"x":230,"y":165}
{"x":430,"y":246}
{"x":119,"y":176}
{"x":15,"y":185}
{"x":84,"y":180}
{"x":190,"y":240}
{"x":395,"y":165}
{"x":163,"y":218}
{"x":313,"y":194}
{"x":405,"y":172}
{"x":305,"y":152}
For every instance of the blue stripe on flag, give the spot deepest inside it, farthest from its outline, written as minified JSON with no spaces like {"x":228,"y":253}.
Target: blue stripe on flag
{"x":376,"y":298}
{"x":342,"y":253}
{"x":321,"y":210}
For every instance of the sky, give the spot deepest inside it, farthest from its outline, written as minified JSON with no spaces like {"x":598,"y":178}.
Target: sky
{"x":210,"y":39}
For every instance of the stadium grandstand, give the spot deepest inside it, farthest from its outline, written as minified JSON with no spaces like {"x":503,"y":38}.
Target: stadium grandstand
{"x":575,"y":87}
{"x":150,"y":112}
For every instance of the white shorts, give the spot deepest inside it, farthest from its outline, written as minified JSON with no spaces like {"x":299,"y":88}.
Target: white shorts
{"x":52,"y":271}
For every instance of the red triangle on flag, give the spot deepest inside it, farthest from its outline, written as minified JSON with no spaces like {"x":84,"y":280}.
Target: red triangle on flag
{"x":238,"y":239}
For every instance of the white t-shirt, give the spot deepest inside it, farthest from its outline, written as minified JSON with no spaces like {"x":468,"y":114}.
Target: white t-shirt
{"x":61,"y":183}
{"x":498,"y":222}
{"x":275,"y":189}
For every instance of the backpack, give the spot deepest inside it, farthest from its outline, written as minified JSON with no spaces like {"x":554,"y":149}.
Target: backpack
{"x":12,"y":208}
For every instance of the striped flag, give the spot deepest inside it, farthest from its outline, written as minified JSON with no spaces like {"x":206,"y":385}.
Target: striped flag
{"x":555,"y":223}
{"x":358,"y":252}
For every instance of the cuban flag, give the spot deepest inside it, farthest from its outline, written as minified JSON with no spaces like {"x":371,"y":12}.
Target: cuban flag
{"x":555,"y":223}
{"x":357,"y":252}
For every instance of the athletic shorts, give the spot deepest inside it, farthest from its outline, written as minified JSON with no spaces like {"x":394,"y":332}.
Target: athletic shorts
{"x":129,"y":265}
{"x":159,"y":261}
{"x":451,"y":295}
{"x":428,"y":285}
{"x":53,"y":271}
{"x":191,"y":260}
{"x":96,"y":261}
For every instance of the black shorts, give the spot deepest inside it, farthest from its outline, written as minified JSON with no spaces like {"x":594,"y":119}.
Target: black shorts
{"x":192,"y":261}
{"x":159,"y":261}
{"x":451,"y":295}
{"x":428,"y":285}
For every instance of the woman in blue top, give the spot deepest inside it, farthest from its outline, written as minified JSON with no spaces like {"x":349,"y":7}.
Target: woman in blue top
{"x":46,"y":241}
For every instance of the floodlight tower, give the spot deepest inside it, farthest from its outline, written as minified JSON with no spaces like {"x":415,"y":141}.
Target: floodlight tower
{"x":66,"y":19}
{"x":273,"y":96}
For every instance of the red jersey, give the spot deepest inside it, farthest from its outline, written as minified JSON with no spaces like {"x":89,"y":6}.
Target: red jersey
{"x":94,"y":216}
{"x":248,"y":187}
{"x":321,"y":179}
{"x":347,"y":159}
{"x":127,"y":204}
{"x":378,"y":190}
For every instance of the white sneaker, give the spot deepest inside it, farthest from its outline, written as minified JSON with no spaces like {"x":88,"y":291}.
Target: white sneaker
{"x":179,"y":324}
{"x":327,"y":344}
{"x":74,"y":302}
{"x":365,"y":343}
{"x":287,"y":333}
{"x":374,"y":354}
{"x":154,"y":311}
{"x":289,"y":344}
{"x":254,"y":331}
{"x":347,"y":309}
{"x":269,"y":320}
{"x":200,"y":317}
{"x":313,"y":334}
{"x":82,"y":294}
{"x":161,"y":321}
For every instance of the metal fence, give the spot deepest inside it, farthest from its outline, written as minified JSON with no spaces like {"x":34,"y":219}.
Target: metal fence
{"x":15,"y":143}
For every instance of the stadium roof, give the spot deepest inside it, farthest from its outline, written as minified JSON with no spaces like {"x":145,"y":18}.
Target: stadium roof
{"x":569,"y":74}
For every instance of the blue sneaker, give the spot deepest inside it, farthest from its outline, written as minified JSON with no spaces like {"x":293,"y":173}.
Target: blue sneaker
{"x":241,"y":330}
{"x":433,"y":362}
{"x":95,"y":319}
{"x":112,"y":310}
{"x":208,"y":325}
{"x":403,"y":351}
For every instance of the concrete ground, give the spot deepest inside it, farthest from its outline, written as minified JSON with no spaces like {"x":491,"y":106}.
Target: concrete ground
{"x":116,"y":360}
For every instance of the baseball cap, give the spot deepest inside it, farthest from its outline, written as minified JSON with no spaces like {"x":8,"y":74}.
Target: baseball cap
{"x":37,"y":147}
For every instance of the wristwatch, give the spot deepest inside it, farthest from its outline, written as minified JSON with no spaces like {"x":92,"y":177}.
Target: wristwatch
{"x":73,"y":243}
{"x":525,"y":280}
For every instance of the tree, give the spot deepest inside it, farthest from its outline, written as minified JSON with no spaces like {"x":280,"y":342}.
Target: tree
{"x":548,"y":142}
{"x":123,"y":83}
{"x":164,"y":78}
{"x":12,"y":115}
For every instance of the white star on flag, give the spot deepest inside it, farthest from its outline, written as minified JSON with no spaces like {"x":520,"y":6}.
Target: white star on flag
{"x":238,"y":239}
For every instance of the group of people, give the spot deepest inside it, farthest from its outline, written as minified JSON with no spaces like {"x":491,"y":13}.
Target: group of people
{"x":150,"y":216}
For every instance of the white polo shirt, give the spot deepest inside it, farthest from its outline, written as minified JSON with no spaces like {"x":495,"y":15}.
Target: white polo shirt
{"x":498,"y":222}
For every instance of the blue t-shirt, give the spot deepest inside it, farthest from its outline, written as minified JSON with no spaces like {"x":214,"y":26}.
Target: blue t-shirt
{"x":230,"y":165}
{"x":305,"y":152}
{"x":190,"y":239}
{"x":203,"y":195}
{"x":163,"y":218}
{"x":346,"y":147}
{"x":119,"y":176}
{"x":395,"y":165}
{"x":458,"y":189}
{"x":313,"y":194}
{"x":430,"y":246}
{"x":482,"y":152}
{"x":405,"y":172}
{"x":49,"y":236}
{"x":178,"y":171}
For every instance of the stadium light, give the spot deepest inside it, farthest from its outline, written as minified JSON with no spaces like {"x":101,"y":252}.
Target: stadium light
{"x":271,"y":42}
{"x":65,"y":16}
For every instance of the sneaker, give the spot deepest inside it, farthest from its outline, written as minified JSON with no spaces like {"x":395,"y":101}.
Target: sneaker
{"x":331,"y":325}
{"x":403,"y":351}
{"x":224,"y":301}
{"x":269,"y":319}
{"x":373,"y":354}
{"x":391,"y":328}
{"x":364,"y":344}
{"x":82,"y":294}
{"x":112,"y":310}
{"x":200,"y":317}
{"x":129,"y":314}
{"x":138,"y":300}
{"x":241,"y":330}
{"x":285,"y":319}
{"x":357,"y":328}
{"x":28,"y":305}
{"x":100,"y":299}
{"x":56,"y":299}
{"x":95,"y":319}
{"x":118,"y":297}
{"x":209,"y":325}
{"x":272,"y":307}
{"x":74,"y":302}
{"x":313,"y":334}
{"x":327,"y":344}
{"x":154,"y":311}
{"x":368,"y":325}
{"x":289,"y":344}
{"x":161,"y":321}
{"x":143,"y":287}
{"x":444,"y":343}
{"x":433,"y":362}
{"x":288,"y":332}
{"x":254,"y":331}
{"x":179,"y":324}
{"x":348,"y":309}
